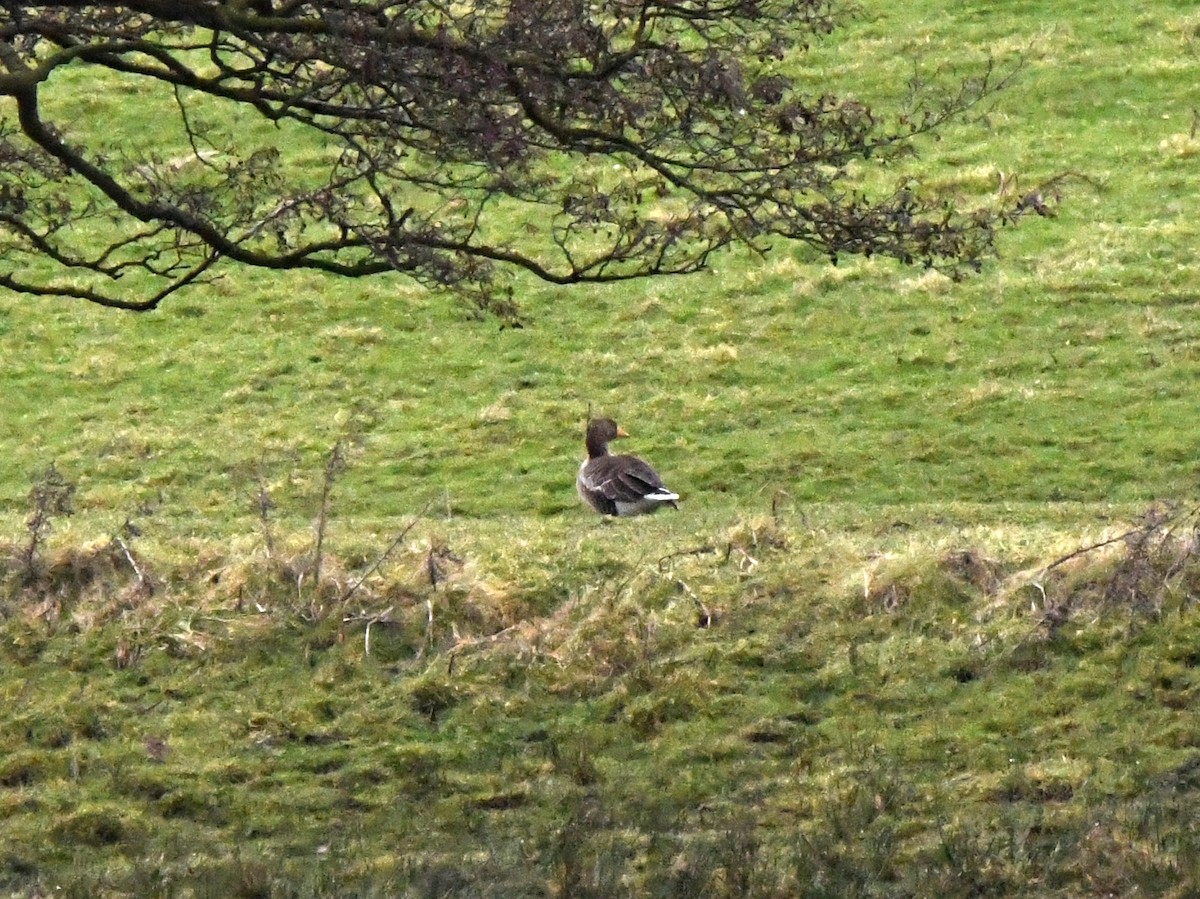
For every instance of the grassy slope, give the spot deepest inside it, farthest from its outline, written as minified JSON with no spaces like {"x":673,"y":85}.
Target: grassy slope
{"x":869,"y":713}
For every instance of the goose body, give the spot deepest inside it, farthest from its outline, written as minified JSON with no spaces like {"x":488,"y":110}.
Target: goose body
{"x":618,"y":485}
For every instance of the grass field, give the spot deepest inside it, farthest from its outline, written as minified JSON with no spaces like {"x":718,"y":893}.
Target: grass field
{"x":848,"y":667}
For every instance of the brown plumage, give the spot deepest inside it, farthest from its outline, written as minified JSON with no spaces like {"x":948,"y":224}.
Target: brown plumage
{"x":618,"y":485}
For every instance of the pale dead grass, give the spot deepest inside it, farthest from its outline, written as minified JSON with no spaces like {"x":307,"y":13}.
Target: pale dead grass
{"x":930,"y":282}
{"x":464,"y":596}
{"x":354,"y":335}
{"x":717,"y":354}
{"x":1180,"y":146}
{"x":499,"y":410}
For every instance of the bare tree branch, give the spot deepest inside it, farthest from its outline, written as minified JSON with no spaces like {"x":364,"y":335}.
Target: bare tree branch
{"x":576,"y":140}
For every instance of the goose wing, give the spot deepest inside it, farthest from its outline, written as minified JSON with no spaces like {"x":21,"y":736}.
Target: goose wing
{"x":624,"y":479}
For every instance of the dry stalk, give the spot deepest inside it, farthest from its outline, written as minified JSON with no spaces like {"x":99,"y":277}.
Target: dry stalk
{"x":695,"y":551}
{"x":334,"y":466}
{"x":265,"y":505}
{"x":141,"y":578}
{"x":462,"y":645}
{"x":705,"y":618}
{"x":384,"y":617}
{"x":425,"y":643}
{"x":51,"y":496}
{"x":747,"y":562}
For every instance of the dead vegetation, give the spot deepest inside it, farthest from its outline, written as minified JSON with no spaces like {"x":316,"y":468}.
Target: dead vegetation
{"x":1144,"y":571}
{"x":432,"y":599}
{"x":653,"y":643}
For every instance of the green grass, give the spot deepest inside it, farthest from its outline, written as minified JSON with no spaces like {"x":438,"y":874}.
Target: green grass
{"x":878,"y":712}
{"x":877,"y":706}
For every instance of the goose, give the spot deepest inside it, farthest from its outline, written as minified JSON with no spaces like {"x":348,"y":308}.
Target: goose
{"x":618,"y":485}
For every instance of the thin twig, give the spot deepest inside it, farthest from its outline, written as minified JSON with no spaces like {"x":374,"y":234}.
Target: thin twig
{"x":1103,"y":543}
{"x":696,"y":551}
{"x":333,"y":467}
{"x":129,"y":556}
{"x":428,"y":627}
{"x":748,"y":561}
{"x":387,"y":552}
{"x":706,"y":617}
{"x":1054,"y":615}
{"x":263,"y":501}
{"x":460,"y":644}
{"x":1143,"y":530}
{"x":384,"y":617}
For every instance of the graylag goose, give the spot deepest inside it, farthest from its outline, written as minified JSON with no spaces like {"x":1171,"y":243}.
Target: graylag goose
{"x":618,"y":485}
